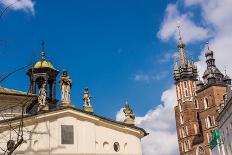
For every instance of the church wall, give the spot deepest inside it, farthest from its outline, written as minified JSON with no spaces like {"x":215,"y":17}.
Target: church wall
{"x":44,"y":137}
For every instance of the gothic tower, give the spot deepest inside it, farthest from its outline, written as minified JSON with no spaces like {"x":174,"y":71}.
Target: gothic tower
{"x":185,"y":77}
{"x":210,"y":95}
{"x":41,"y":73}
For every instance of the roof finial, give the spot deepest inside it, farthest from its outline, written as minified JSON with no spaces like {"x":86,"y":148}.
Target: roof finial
{"x":43,"y":53}
{"x":207,"y":44}
{"x":178,"y":27}
{"x":225,"y":71}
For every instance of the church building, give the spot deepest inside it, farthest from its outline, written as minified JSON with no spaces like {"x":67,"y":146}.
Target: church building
{"x":36,"y":122}
{"x":198,"y":102}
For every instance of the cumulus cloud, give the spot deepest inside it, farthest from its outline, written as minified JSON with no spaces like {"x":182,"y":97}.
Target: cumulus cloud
{"x":190,"y":30}
{"x":217,"y":17}
{"x":25,"y":5}
{"x":159,"y":123}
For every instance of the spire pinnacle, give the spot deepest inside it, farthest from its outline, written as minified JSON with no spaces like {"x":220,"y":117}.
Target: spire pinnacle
{"x":207,"y":44}
{"x":181,"y":45}
{"x":225,"y":71}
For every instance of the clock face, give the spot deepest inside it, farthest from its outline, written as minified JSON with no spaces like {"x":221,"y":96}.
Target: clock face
{"x":201,"y":151}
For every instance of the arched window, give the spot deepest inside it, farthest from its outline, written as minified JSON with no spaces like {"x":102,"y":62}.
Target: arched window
{"x":209,"y":122}
{"x":96,"y":145}
{"x":178,"y":92}
{"x":196,"y":104}
{"x":206,"y":102}
{"x":125,"y":146}
{"x":185,"y":89}
{"x":195,"y":128}
{"x":187,"y":145}
{"x":106,"y":146}
{"x":180,"y":107}
{"x":181,"y":119}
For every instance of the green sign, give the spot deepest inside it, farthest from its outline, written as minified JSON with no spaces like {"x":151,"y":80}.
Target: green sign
{"x":214,"y":138}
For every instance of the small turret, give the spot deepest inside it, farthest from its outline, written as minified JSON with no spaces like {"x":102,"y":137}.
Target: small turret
{"x":212,"y":74}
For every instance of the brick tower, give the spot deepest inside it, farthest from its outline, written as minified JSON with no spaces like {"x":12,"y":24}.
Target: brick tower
{"x":185,"y":76}
{"x":197,"y":102}
{"x":210,"y":96}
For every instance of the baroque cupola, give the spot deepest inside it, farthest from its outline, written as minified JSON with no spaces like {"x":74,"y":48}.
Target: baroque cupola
{"x":184,"y":69}
{"x":212,"y":74}
{"x":43,"y":74}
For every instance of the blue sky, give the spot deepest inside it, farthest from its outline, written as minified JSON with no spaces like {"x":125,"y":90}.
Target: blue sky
{"x":122,"y":50}
{"x":103,"y":44}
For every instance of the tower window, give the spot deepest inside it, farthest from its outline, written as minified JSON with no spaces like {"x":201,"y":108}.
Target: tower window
{"x":181,"y":119}
{"x":180,"y":107}
{"x":196,"y":104}
{"x":206,"y":102}
{"x":178,"y":91}
{"x":185,"y":89}
{"x":67,"y":134}
{"x":195,"y":129}
{"x":209,"y":122}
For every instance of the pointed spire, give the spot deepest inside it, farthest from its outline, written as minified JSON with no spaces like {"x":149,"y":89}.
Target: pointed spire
{"x":181,"y":46}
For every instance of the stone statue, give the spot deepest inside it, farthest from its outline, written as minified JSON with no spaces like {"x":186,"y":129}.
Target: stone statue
{"x":87,"y":98}
{"x":130,"y":117}
{"x":42,"y":95}
{"x":87,"y":101}
{"x":65,"y":86}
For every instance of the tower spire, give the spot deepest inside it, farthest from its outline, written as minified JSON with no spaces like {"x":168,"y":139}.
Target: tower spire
{"x":181,"y":46}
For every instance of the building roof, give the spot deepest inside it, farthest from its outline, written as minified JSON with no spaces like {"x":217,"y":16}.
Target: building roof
{"x":14,"y":92}
{"x":91,"y":116}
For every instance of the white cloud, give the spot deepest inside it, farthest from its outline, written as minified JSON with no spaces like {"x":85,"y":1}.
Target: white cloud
{"x":25,"y":5}
{"x":142,"y":77}
{"x":217,"y":16}
{"x":190,"y":30}
{"x":150,"y":77}
{"x":159,"y":122}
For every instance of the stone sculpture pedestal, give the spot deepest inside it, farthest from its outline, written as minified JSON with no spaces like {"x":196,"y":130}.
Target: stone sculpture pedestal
{"x":129,"y":121}
{"x":88,"y":109}
{"x":67,"y":105}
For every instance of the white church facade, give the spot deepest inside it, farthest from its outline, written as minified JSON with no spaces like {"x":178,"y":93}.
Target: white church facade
{"x":37,"y":123}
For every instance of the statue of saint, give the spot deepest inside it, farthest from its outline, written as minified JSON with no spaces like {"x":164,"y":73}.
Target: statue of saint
{"x":65,"y":86}
{"x":42,"y":95}
{"x":128,"y":112}
{"x":86,"y":98}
